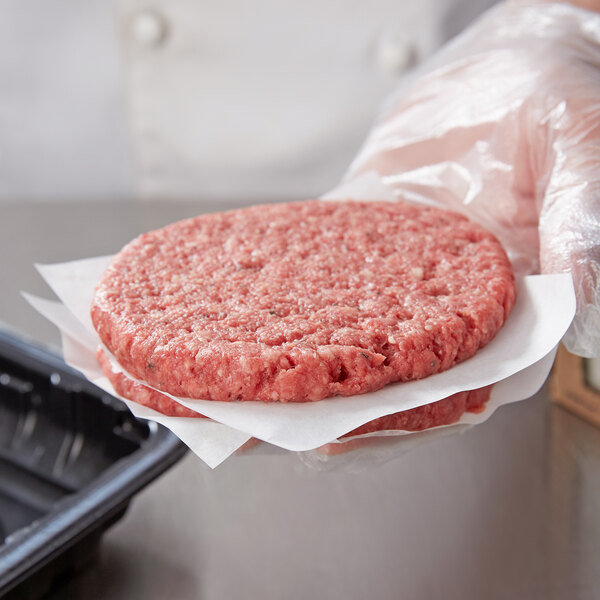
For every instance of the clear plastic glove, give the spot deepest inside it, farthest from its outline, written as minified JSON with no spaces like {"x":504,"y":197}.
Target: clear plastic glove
{"x":503,"y":125}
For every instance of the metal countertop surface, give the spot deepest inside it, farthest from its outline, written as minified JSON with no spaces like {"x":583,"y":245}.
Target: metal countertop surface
{"x":508,"y":509}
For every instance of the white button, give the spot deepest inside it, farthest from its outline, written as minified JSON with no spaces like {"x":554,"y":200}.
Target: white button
{"x":394,"y":55}
{"x":148,"y":28}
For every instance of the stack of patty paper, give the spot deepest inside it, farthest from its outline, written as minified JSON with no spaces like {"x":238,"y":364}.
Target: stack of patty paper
{"x":312,"y":325}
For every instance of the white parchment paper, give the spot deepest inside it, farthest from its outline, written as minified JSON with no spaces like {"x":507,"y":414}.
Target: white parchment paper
{"x":519,"y":357}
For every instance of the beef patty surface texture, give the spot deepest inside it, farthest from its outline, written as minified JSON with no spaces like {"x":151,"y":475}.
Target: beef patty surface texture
{"x":302,"y":301}
{"x":443,"y":412}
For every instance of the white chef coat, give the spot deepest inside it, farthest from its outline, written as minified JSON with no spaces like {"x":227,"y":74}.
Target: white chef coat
{"x":184,"y":99}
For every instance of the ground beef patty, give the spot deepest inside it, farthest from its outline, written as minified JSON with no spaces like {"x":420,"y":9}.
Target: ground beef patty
{"x":443,"y":412}
{"x":302,"y":301}
{"x":140,"y":393}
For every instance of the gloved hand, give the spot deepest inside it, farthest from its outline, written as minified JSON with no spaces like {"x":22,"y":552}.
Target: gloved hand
{"x":503,"y":125}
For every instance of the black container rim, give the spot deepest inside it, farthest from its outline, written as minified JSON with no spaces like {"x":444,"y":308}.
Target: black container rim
{"x":78,"y":514}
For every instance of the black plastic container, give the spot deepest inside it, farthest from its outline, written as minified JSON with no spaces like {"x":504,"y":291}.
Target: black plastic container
{"x":71,"y":458}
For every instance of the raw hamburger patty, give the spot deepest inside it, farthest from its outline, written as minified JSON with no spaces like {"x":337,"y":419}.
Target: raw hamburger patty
{"x":443,"y":412}
{"x":302,"y":301}
{"x":142,"y":394}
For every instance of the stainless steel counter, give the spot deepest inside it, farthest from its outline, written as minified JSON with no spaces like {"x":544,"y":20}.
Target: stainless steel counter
{"x":509,"y":509}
